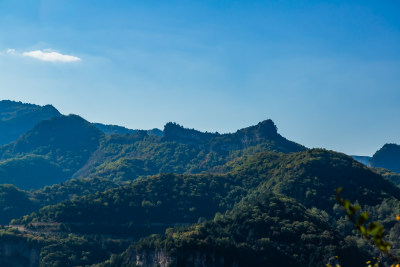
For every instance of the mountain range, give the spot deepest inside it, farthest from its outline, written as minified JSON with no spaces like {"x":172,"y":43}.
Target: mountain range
{"x":75,"y":193}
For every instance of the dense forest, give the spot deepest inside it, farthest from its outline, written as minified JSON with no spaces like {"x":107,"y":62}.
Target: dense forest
{"x":75,"y":193}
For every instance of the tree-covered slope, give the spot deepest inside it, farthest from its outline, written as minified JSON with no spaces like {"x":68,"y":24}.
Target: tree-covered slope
{"x":147,"y":205}
{"x":30,"y":171}
{"x":152,"y":204}
{"x":15,"y":203}
{"x":49,"y":153}
{"x":264,"y":230}
{"x":310,"y":177}
{"x":394,"y":177}
{"x":387,"y":157}
{"x":16,"y":118}
{"x":181,"y":150}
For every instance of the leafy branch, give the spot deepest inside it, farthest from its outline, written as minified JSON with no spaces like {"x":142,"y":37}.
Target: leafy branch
{"x":373,"y":232}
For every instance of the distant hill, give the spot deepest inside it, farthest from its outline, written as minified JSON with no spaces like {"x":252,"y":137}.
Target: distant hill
{"x":115,"y":129}
{"x":387,"y":157}
{"x":362,"y":159}
{"x":16,"y":118}
{"x":49,"y":153}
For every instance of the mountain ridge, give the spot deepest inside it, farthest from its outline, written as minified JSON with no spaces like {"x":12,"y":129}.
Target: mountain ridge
{"x":16,"y":118}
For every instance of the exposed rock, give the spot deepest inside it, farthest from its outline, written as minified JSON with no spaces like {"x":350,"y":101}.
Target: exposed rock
{"x":17,"y":253}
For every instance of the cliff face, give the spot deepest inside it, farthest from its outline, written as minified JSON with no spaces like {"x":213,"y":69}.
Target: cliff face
{"x":150,"y":258}
{"x":161,"y":258}
{"x":18,"y":254}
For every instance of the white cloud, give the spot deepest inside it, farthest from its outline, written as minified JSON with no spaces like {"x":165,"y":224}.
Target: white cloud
{"x":11,"y":51}
{"x":47,"y":55}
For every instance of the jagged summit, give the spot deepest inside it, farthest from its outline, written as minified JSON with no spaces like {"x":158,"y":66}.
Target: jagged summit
{"x":174,"y":131}
{"x":262,"y":129}
{"x":264,"y":132}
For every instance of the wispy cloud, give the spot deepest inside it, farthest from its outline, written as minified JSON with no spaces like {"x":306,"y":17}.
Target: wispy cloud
{"x":46,"y":55}
{"x":11,"y":51}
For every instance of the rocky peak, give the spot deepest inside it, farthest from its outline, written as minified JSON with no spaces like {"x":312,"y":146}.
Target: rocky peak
{"x":176,"y":132}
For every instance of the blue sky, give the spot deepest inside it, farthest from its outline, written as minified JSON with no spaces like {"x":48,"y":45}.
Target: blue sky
{"x":327,"y":72}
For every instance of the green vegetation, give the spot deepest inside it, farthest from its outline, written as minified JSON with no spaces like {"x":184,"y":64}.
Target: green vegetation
{"x":264,"y":230}
{"x":67,"y":147}
{"x":50,"y":153}
{"x":249,"y":198}
{"x":180,"y":150}
{"x":15,"y":203}
{"x":306,"y":176}
{"x":62,"y":250}
{"x":17,"y":118}
{"x":30,"y":171}
{"x":393,"y":177}
{"x":304,"y":182}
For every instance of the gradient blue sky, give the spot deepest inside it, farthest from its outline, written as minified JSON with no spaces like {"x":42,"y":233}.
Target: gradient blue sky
{"x":327,"y":72}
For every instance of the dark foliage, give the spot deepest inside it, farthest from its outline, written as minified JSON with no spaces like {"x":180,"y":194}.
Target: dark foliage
{"x":16,"y":118}
{"x":266,"y":230}
{"x":115,"y":129}
{"x":49,"y":153}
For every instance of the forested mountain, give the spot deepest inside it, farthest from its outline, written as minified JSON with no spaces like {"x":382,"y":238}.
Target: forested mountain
{"x":387,"y":157}
{"x":49,"y":153}
{"x":310,"y":177}
{"x":79,"y":194}
{"x":151,"y":205}
{"x":266,"y":230}
{"x":264,"y":133}
{"x":15,"y":203}
{"x":16,"y":118}
{"x":68,"y":146}
{"x":180,"y":150}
